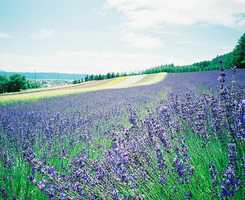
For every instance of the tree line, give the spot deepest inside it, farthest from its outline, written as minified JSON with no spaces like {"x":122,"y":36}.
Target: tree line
{"x":214,"y":64}
{"x":93,"y":77}
{"x":16,"y":83}
{"x":234,"y":58}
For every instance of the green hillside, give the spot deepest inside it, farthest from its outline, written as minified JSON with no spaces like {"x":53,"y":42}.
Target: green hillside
{"x":234,"y":58}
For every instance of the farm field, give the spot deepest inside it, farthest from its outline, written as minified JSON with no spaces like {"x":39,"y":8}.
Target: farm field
{"x":121,"y":82}
{"x":153,"y":137}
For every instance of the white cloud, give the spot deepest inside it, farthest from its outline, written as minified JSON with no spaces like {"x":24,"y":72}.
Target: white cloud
{"x":144,"y":20}
{"x":5,"y":36}
{"x":145,"y":14}
{"x":94,"y":61}
{"x":42,"y":34}
{"x":137,"y":40}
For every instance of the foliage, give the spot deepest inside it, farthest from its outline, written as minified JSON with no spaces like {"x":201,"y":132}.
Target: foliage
{"x":239,"y":53}
{"x":234,"y":58}
{"x":93,"y":77}
{"x":3,"y":84}
{"x":195,"y":67}
{"x":30,"y":84}
{"x":16,"y":83}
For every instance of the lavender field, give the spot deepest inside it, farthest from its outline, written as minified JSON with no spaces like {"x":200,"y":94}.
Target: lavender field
{"x":182,"y":138}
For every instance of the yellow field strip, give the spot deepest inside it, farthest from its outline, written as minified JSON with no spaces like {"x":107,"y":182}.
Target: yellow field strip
{"x":151,"y":79}
{"x":121,"y":82}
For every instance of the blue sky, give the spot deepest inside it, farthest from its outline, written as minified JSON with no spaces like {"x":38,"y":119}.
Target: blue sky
{"x":99,"y":36}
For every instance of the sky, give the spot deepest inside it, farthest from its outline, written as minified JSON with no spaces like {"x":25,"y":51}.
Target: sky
{"x":99,"y":36}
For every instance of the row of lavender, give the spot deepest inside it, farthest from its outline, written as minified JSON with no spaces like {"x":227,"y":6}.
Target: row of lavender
{"x":57,"y":130}
{"x":190,"y":137}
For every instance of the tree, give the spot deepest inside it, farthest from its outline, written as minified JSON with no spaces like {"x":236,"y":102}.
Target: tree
{"x":16,"y":83}
{"x":239,"y":53}
{"x":91,"y":77}
{"x":3,"y":84}
{"x":86,"y":78}
{"x":108,"y":75}
{"x":75,"y":82}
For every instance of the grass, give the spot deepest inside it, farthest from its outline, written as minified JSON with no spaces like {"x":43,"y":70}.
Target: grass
{"x":200,"y":184}
{"x":15,"y":179}
{"x":35,"y":95}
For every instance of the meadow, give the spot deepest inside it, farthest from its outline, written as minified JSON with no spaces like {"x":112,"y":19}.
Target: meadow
{"x":168,"y":136}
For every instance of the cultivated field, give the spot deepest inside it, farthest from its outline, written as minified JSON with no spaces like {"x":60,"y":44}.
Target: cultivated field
{"x":180,"y":138}
{"x":121,"y":82}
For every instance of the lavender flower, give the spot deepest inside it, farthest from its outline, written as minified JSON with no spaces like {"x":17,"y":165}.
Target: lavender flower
{"x":132,"y":117}
{"x":101,"y":159}
{"x":160,"y":159}
{"x":181,"y":162}
{"x":229,"y":184}
{"x":4,"y":194}
{"x":232,"y":154}
{"x":214,"y":178}
{"x":241,"y":121}
{"x":41,"y":184}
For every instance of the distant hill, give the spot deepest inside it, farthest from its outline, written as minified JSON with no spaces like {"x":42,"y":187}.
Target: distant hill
{"x":45,"y":75}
